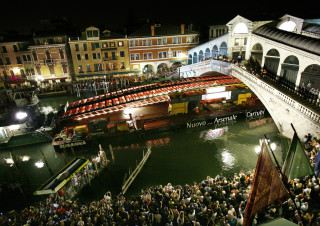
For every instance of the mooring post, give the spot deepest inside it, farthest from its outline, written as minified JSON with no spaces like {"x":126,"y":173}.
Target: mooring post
{"x":111,"y":151}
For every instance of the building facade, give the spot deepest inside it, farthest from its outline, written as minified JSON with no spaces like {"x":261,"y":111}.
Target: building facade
{"x":160,"y":48}
{"x":48,"y":59}
{"x":11,"y":62}
{"x":98,"y":54}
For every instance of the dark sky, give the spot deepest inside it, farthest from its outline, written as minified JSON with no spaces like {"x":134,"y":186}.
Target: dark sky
{"x":28,"y":15}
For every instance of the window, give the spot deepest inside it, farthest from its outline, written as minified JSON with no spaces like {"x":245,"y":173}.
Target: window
{"x":162,"y":55}
{"x":236,"y":41}
{"x":15,"y":48}
{"x":35,"y":57}
{"x":144,"y":42}
{"x":162,"y":41}
{"x":106,"y":55}
{"x":51,"y":68}
{"x":92,"y":33}
{"x":8,"y":60}
{"x":150,"y":56}
{"x":18,"y":60}
{"x":137,"y":56}
{"x":145,"y":56}
{"x":112,"y":44}
{"x":97,"y":67}
{"x":95,"y":45}
{"x":1,"y":62}
{"x":122,"y":65}
{"x":132,"y":56}
{"x":22,"y":73}
{"x":80,"y":69}
{"x":96,"y":56}
{"x":177,"y":53}
{"x":61,"y":53}
{"x":85,"y":47}
{"x":136,"y":42}
{"x":65,"y":68}
{"x":48,"y":55}
{"x":191,"y":39}
{"x":245,"y":41}
{"x":121,"y":53}
{"x":88,"y":68}
{"x":76,"y":46}
{"x":4,"y":49}
{"x":104,"y":45}
{"x":120,"y":43}
{"x":131,"y":43}
{"x":86,"y":56}
{"x":79,"y":57}
{"x":176,"y":40}
{"x":38,"y":70}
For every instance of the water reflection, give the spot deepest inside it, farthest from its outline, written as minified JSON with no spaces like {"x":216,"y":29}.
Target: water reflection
{"x":39,"y":164}
{"x":227,"y":159}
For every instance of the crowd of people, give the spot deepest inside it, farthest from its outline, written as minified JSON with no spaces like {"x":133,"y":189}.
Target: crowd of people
{"x":218,"y":200}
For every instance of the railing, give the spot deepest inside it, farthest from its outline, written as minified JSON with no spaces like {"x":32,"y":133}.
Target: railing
{"x":306,"y":111}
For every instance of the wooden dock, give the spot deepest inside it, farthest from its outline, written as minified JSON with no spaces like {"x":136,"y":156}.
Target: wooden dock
{"x":137,"y":170}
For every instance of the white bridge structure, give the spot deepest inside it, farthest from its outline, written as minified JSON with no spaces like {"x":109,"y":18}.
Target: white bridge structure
{"x":283,"y":108}
{"x":288,"y":49}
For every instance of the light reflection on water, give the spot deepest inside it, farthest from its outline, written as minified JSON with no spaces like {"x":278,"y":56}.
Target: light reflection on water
{"x":179,"y":157}
{"x":227,"y":159}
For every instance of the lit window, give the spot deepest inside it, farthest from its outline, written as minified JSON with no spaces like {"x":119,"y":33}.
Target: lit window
{"x":241,"y":28}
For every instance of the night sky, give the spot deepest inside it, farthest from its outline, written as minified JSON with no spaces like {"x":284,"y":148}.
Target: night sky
{"x":30,"y":16}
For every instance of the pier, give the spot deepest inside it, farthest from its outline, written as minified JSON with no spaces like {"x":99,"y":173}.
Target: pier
{"x":137,"y":170}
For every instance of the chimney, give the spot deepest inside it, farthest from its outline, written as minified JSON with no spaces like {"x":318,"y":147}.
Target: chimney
{"x":152,"y":30}
{"x":182,"y":29}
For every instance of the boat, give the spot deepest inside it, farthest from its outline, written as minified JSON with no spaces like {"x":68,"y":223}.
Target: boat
{"x":20,"y":134}
{"x":24,"y":97}
{"x":139,"y":109}
{"x":69,"y":137}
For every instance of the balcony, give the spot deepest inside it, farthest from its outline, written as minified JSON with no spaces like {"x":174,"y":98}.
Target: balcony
{"x":110,"y":59}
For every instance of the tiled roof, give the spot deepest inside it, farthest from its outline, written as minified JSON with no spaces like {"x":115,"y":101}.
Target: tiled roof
{"x":305,"y":43}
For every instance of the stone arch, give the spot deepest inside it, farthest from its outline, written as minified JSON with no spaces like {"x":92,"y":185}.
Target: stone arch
{"x":195,"y":57}
{"x":207,"y":53}
{"x":215,"y":51}
{"x":310,"y":78}
{"x":271,"y":62}
{"x":223,"y":49}
{"x":257,"y":52}
{"x":289,"y":69}
{"x":148,"y":69}
{"x":175,"y":65}
{"x":240,"y":28}
{"x":201,"y":55}
{"x":163,"y":67}
{"x":189,"y":59}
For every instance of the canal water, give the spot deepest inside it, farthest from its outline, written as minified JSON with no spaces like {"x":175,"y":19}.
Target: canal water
{"x":178,"y":157}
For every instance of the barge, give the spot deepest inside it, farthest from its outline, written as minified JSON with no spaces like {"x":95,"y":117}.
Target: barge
{"x":153,"y":107}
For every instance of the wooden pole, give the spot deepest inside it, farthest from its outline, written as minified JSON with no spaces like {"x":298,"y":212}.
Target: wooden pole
{"x":111,"y":151}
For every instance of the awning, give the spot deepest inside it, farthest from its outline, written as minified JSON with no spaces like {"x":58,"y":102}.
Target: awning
{"x":100,"y":75}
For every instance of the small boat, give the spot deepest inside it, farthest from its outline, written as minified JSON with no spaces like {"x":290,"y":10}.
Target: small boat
{"x":69,"y":137}
{"x":24,"y":97}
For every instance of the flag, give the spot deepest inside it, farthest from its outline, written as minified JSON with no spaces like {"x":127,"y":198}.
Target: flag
{"x":296,"y":164}
{"x":267,"y":186}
